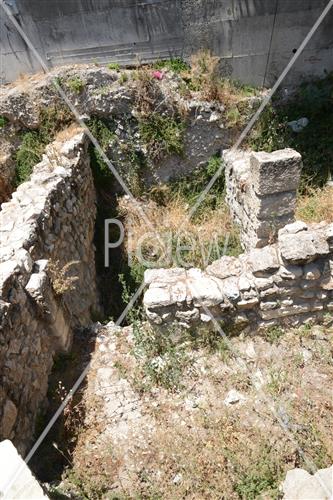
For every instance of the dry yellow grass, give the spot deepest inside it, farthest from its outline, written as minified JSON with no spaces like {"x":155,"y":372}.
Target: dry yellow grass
{"x":205,"y":237}
{"x":68,"y":132}
{"x":316,"y":205}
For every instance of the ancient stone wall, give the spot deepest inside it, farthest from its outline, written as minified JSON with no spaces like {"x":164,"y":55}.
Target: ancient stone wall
{"x":48,"y":225}
{"x":261,"y":192}
{"x":290,"y":282}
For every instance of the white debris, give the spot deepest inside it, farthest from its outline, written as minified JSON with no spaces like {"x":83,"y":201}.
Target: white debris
{"x":234,"y":397}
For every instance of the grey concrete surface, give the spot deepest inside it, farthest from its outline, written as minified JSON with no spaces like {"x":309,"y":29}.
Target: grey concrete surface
{"x":255,"y":38}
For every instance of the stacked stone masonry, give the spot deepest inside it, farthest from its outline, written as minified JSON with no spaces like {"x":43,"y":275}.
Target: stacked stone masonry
{"x":261,"y":192}
{"x":50,"y":218}
{"x":290,"y":282}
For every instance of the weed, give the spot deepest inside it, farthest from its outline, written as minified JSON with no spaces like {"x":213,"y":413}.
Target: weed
{"x":3,"y":121}
{"x":190,"y":187}
{"x":162,"y":135}
{"x":114,"y":66}
{"x":102,"y":130}
{"x":75,"y":84}
{"x":273,"y":334}
{"x":214,"y":342}
{"x":176,"y":65}
{"x":315,"y":205}
{"x":277,"y":382}
{"x":33,"y":143}
{"x":61,"y":282}
{"x":28,"y":154}
{"x":135,"y":313}
{"x":162,"y":359}
{"x":123,"y":78}
{"x":261,"y":477}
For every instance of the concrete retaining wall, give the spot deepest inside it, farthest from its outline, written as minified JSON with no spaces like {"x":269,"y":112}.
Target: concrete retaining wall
{"x":50,"y":219}
{"x":255,"y":38}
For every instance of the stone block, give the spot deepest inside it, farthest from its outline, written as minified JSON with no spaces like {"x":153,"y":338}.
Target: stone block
{"x":16,"y":479}
{"x":275,"y":172}
{"x":157,"y":297}
{"x":300,"y":485}
{"x":225,"y":267}
{"x":273,"y":206}
{"x":263,"y":260}
{"x":302,"y":247}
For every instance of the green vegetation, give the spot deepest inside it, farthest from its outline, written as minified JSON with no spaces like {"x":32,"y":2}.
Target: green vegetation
{"x":161,"y":360}
{"x":176,"y":65}
{"x":274,"y":334}
{"x":33,"y":143}
{"x":263,"y":476}
{"x":103,"y":131}
{"x":114,"y":66}
{"x":123,"y":78}
{"x":190,"y":187}
{"x":3,"y":121}
{"x":314,"y":101}
{"x":75,"y":84}
{"x":28,"y":155}
{"x":162,"y":135}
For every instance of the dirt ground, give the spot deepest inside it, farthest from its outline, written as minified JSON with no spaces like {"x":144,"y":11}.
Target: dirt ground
{"x":202,"y":418}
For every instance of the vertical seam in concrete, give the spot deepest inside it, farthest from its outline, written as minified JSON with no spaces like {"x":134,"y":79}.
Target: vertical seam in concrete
{"x":271,"y":42}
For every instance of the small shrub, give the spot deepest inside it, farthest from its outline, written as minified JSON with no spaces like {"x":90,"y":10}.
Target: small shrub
{"x":61,"y":282}
{"x":176,"y":65}
{"x":123,"y":78}
{"x":162,"y":359}
{"x":274,"y":334}
{"x":3,"y":121}
{"x":32,"y":146}
{"x":114,"y":66}
{"x":263,"y":476}
{"x":102,"y":130}
{"x":75,"y":84}
{"x":277,"y":382}
{"x":28,"y":154}
{"x":162,"y":135}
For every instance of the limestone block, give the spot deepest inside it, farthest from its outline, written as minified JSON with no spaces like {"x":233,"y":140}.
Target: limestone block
{"x":263,"y":283}
{"x":157,"y":297}
{"x":300,"y":485}
{"x":188,"y":316}
{"x":225,"y":267}
{"x":203,"y":288}
{"x":230,"y":288}
{"x":290,"y":272}
{"x":302,"y":247}
{"x":294,"y":228}
{"x":275,"y":172}
{"x":263,"y":260}
{"x":16,"y":480}
{"x":272,"y":206}
{"x":164,"y":275}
